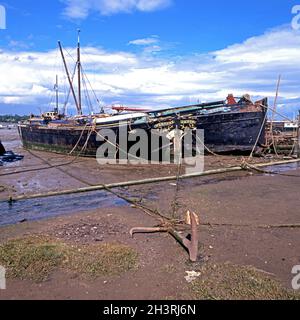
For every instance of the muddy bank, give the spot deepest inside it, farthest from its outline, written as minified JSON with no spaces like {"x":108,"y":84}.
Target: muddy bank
{"x":162,"y":266}
{"x":232,"y":207}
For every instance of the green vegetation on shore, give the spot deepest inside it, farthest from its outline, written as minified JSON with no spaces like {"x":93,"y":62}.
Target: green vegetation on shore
{"x":232,"y":282}
{"x":36,"y":257}
{"x":12,"y":118}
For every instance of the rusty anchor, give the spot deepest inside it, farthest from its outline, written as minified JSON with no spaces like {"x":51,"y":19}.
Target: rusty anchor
{"x":190,"y":242}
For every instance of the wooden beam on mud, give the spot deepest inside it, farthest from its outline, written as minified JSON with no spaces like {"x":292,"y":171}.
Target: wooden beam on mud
{"x":146,"y":181}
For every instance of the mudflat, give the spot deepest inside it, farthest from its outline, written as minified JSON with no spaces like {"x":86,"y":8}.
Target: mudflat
{"x":249,"y":233}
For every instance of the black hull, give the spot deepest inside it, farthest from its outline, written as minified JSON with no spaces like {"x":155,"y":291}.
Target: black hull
{"x":64,"y":139}
{"x":233,"y":132}
{"x":224,"y":132}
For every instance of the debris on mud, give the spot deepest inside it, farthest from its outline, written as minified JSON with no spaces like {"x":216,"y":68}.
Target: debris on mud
{"x":88,"y":231}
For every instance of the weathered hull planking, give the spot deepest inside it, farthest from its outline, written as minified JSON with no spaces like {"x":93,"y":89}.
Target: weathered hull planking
{"x":224,"y":132}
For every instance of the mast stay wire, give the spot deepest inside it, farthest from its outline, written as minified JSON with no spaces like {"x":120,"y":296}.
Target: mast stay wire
{"x":87,"y":95}
{"x":50,"y":94}
{"x":69,"y":91}
{"x":99,"y":101}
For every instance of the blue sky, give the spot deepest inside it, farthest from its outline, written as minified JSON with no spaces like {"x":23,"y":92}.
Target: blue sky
{"x":151,"y":52}
{"x":193,"y":25}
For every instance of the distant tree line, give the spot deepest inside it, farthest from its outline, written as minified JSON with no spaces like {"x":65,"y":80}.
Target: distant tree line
{"x":13,"y":118}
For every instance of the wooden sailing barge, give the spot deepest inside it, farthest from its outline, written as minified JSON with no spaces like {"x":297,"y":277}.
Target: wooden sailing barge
{"x":232,"y":125}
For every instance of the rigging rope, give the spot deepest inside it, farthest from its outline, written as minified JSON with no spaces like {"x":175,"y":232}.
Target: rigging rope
{"x":76,"y":145}
{"x":259,"y":135}
{"x":87,"y":96}
{"x":94,"y":93}
{"x":115,"y":145}
{"x":69,"y":91}
{"x":273,"y":115}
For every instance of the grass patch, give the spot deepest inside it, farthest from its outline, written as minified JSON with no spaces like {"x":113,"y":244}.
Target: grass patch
{"x":35,"y":258}
{"x":102,"y":259}
{"x":30,"y":258}
{"x":231,"y":282}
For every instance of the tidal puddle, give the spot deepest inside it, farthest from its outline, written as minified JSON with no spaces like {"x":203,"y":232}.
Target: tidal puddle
{"x":239,"y":175}
{"x":36,"y":209}
{"x":282,"y":168}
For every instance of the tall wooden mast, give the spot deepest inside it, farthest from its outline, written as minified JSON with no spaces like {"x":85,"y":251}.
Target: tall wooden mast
{"x":79,"y":75}
{"x":69,"y":77}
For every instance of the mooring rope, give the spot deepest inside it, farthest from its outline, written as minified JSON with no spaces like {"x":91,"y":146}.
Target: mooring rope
{"x":259,"y":134}
{"x":77,"y":143}
{"x":50,"y":166}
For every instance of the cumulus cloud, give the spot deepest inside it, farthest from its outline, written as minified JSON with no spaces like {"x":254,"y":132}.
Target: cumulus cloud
{"x":80,"y":9}
{"x":139,"y":79}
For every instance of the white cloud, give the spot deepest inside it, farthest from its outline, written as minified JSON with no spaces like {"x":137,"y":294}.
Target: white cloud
{"x":151,"y":5}
{"x":148,"y":80}
{"x":145,"y":41}
{"x":275,"y":46}
{"x":80,"y":9}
